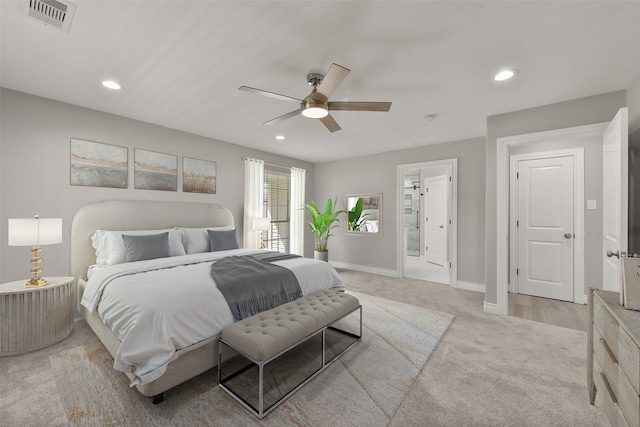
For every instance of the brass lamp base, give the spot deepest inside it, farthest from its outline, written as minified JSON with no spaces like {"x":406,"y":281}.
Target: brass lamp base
{"x":36,"y":281}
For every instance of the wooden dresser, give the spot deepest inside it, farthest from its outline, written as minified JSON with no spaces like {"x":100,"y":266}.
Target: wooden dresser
{"x":614,"y":357}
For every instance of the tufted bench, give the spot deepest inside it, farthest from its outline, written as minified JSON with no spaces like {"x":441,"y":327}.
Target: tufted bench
{"x":268,"y":335}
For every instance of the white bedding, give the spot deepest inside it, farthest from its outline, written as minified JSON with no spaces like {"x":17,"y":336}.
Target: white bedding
{"x":157,"y":307}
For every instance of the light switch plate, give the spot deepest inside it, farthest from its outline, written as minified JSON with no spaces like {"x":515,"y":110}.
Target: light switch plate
{"x":591,"y":204}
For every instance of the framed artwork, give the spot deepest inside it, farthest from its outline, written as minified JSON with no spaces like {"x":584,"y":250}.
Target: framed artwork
{"x":198,"y":176}
{"x":99,"y":165}
{"x":155,"y":171}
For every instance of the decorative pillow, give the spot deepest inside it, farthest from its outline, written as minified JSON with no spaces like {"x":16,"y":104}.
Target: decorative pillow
{"x":196,"y":240}
{"x":221,"y":240}
{"x":110,"y":248}
{"x":151,"y":246}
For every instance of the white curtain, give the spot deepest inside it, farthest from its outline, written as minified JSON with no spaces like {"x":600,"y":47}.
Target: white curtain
{"x":253,"y":199}
{"x":296,"y":216}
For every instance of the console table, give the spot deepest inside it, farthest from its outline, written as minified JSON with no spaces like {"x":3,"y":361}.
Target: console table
{"x":34,"y":318}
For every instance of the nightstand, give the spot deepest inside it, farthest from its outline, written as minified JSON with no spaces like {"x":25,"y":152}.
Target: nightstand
{"x":34,"y":318}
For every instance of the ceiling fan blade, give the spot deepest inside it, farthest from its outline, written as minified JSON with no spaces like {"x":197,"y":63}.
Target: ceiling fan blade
{"x":283,"y":117}
{"x":330,"y":123}
{"x":359,"y":106}
{"x":335,"y":75}
{"x":269,"y":94}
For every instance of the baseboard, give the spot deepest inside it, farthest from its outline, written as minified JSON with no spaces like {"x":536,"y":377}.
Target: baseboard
{"x":470,"y":286}
{"x":365,"y":268}
{"x":491,"y":308}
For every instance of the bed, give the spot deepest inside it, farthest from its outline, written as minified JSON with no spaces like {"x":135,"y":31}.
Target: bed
{"x":172,"y":300}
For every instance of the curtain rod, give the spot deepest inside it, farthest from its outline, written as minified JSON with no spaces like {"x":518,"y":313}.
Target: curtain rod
{"x":269,"y":164}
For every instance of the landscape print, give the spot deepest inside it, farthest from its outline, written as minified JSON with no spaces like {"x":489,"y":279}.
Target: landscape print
{"x":98,"y":165}
{"x":155,"y":171}
{"x":198,"y":176}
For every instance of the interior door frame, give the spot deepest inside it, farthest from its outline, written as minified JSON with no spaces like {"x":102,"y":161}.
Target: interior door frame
{"x":453,"y":232}
{"x":502,"y":198}
{"x":578,"y":216}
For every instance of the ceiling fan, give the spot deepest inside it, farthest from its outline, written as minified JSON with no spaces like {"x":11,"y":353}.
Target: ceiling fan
{"x":317,"y":105}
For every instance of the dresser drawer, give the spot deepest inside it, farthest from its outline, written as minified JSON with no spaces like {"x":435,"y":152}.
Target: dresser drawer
{"x":628,"y":399}
{"x":629,"y":359}
{"x":615,"y":369}
{"x":608,"y":397}
{"x":607,"y":325}
{"x":606,"y":359}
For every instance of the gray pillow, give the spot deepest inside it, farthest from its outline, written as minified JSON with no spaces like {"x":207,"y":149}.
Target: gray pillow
{"x":221,"y":240}
{"x":150,"y":246}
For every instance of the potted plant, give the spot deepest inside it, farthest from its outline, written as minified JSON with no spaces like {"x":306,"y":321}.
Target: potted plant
{"x":321,"y":223}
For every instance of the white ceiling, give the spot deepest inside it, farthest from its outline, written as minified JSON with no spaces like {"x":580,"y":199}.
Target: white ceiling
{"x":181,"y":64}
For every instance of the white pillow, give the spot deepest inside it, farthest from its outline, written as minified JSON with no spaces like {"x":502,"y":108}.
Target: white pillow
{"x":196,"y":240}
{"x":110,"y":249}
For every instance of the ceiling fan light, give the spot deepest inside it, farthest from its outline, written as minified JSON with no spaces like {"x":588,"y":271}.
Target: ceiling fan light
{"x":313,"y":108}
{"x":315,"y":112}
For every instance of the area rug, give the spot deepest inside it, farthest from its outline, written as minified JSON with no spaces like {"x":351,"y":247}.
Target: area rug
{"x":365,"y":387}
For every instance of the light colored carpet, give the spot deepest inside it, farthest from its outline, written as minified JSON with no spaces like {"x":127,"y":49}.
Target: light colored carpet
{"x":363,"y":388}
{"x":488,"y":370}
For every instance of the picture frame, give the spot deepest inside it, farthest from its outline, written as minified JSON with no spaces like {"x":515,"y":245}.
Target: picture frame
{"x":155,"y":171}
{"x":198,"y":176}
{"x":94,"y":164}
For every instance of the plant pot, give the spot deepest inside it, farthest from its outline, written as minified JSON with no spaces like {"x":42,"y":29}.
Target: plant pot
{"x":321,"y":255}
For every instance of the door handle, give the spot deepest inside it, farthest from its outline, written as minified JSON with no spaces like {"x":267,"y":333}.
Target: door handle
{"x":610,"y":254}
{"x":567,"y":235}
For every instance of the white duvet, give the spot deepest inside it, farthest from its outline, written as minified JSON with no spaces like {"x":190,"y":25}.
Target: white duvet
{"x":159,"y":307}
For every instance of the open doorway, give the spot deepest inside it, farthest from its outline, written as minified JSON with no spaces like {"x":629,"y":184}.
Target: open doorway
{"x":427,"y":225}
{"x":591,"y":260}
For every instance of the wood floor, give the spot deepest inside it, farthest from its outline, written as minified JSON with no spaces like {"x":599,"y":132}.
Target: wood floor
{"x":549,"y":311}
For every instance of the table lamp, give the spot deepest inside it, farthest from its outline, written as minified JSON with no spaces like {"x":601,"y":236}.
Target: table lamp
{"x":261,"y":224}
{"x":35,"y":232}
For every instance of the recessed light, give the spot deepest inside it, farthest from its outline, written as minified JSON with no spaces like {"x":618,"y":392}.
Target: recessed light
{"x":111,"y":85}
{"x":280,"y":137}
{"x":505,"y":75}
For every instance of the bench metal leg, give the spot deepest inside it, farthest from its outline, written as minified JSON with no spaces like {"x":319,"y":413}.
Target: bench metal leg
{"x":260,"y":411}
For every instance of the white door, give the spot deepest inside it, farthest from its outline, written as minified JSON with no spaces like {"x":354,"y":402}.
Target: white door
{"x":436,"y":219}
{"x":615,"y":197}
{"x":545,"y":220}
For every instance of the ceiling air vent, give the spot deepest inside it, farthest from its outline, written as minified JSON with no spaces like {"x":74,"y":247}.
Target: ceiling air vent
{"x":57,"y":13}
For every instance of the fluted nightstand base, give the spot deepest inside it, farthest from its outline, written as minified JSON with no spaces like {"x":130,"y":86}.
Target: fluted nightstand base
{"x":34,"y":318}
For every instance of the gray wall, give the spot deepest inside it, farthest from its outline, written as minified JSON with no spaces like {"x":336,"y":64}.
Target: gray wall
{"x":35,"y":171}
{"x":378,"y":173}
{"x":583,"y":111}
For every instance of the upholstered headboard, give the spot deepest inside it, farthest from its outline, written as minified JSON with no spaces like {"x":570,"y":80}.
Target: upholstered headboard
{"x":136,"y":215}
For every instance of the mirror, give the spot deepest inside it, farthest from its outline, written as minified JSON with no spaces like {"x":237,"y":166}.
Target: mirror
{"x":364,"y":214}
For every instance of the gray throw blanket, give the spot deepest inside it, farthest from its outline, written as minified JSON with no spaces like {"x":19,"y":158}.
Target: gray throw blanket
{"x":251,"y":284}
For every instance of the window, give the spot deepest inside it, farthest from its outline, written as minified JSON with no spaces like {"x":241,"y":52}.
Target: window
{"x":276,"y":207}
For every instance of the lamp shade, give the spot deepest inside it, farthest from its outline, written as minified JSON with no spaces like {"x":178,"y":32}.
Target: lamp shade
{"x":261,"y":223}
{"x":35,"y":231}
